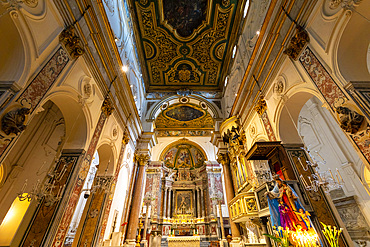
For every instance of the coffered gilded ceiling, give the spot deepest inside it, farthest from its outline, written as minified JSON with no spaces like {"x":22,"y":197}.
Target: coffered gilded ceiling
{"x":185,"y":44}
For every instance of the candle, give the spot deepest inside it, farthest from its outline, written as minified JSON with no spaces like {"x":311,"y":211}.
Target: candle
{"x":340,"y":175}
{"x":331,"y":175}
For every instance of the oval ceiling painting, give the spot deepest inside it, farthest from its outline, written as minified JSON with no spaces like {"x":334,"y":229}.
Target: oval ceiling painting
{"x":184,"y":116}
{"x":183,"y":154}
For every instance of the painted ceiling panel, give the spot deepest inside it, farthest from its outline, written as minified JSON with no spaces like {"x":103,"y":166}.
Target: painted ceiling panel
{"x":185,"y":44}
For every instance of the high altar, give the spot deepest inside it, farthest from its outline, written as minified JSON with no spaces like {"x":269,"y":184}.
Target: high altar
{"x":185,"y":193}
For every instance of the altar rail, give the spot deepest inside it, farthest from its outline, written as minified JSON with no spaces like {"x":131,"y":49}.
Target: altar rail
{"x":191,"y":241}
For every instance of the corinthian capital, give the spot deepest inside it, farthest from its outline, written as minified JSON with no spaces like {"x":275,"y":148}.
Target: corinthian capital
{"x":125,"y":138}
{"x":107,"y":107}
{"x":223,"y":158}
{"x":141,"y":159}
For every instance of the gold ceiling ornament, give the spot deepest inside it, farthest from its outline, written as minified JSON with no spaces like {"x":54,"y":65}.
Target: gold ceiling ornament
{"x":297,"y":43}
{"x":184,"y":116}
{"x":261,"y":106}
{"x":178,"y":54}
{"x":71,"y":42}
{"x":223,"y":159}
{"x":107,"y":107}
{"x":141,"y":159}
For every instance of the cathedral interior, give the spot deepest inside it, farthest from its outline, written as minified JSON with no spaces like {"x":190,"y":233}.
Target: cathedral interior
{"x":185,"y":123}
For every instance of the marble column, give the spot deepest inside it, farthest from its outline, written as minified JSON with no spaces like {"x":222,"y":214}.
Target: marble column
{"x":264,"y":221}
{"x":165,"y":200}
{"x":229,"y":190}
{"x":198,"y":203}
{"x":202,"y":204}
{"x":221,"y":221}
{"x":142,"y":160}
{"x":170,"y":192}
{"x":146,"y":222}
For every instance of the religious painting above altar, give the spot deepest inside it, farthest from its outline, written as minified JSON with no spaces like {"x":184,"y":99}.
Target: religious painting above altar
{"x":184,"y":203}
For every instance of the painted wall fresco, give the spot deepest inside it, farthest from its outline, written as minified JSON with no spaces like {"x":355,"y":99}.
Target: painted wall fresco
{"x":184,"y":116}
{"x":183,"y":155}
{"x":185,"y":16}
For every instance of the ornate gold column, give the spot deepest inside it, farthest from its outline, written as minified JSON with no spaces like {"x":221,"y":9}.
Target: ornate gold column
{"x":223,"y":158}
{"x":141,"y":160}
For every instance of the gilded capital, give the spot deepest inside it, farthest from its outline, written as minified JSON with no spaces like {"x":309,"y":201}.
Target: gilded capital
{"x":107,"y":107}
{"x":141,"y":159}
{"x":297,"y":43}
{"x":223,"y":158}
{"x":125,"y":138}
{"x":261,"y":106}
{"x":71,"y":42}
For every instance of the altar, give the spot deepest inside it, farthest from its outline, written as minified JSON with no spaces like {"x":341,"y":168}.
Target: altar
{"x":186,"y":241}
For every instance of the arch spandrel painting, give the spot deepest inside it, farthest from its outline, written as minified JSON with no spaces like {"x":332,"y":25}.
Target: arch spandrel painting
{"x":183,"y":154}
{"x":184,"y":116}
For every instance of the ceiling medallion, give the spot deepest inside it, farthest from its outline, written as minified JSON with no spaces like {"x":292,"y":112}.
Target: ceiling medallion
{"x":184,"y":100}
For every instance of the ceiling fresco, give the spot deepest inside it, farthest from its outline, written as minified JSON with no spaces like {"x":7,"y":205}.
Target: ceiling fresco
{"x":185,"y":44}
{"x":184,"y":116}
{"x":183,"y":154}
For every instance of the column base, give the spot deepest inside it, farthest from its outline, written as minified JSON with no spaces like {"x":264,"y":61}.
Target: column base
{"x":235,"y":242}
{"x":130,"y":243}
{"x":144,"y":242}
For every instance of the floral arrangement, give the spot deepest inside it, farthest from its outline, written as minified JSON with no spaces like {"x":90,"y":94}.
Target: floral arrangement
{"x":281,"y":236}
{"x":332,"y":234}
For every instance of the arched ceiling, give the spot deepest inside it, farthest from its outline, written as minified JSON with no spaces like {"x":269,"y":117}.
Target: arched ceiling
{"x":185,"y":44}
